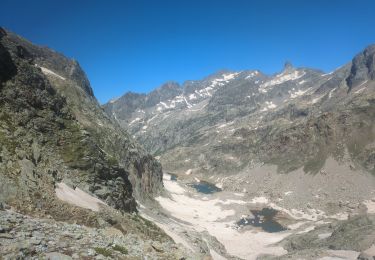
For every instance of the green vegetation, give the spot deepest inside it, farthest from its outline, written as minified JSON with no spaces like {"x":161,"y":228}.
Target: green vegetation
{"x":120,"y":249}
{"x":73,"y":149}
{"x":103,"y":251}
{"x":5,"y":140}
{"x":315,"y":164}
{"x":136,"y":223}
{"x":112,"y":161}
{"x":148,"y":223}
{"x":6,"y":118}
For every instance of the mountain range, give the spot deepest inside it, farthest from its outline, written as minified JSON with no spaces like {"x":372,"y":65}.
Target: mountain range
{"x":226,"y":126}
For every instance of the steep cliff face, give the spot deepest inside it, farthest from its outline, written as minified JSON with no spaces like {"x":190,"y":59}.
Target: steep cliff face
{"x":53,"y":130}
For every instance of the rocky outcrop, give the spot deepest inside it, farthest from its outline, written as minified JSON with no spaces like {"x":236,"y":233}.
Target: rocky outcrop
{"x":356,"y":234}
{"x":23,"y":237}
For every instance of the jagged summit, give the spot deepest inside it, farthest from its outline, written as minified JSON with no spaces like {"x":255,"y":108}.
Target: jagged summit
{"x":288,"y":66}
{"x":170,"y":85}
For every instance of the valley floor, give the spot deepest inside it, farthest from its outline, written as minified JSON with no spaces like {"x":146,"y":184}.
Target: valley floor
{"x":211,"y":222}
{"x":217,"y":224}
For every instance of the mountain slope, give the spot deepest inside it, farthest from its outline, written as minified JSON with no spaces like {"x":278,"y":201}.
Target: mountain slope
{"x":68,"y":79}
{"x":63,"y":159}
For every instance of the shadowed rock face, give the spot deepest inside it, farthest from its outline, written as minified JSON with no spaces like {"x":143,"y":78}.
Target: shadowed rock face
{"x":7,"y":67}
{"x":52,"y":129}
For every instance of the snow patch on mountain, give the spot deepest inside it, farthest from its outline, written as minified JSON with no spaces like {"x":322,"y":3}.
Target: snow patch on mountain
{"x":226,"y":124}
{"x":330,"y":93}
{"x":362,"y":84}
{"x":163,"y":104}
{"x":268,"y":105}
{"x":113,"y":100}
{"x":316,"y":100}
{"x":323,"y":75}
{"x":281,"y":78}
{"x":135,"y":120}
{"x":77,"y":197}
{"x":192,"y":96}
{"x":50,"y":72}
{"x":252,"y":75}
{"x":187,"y":103}
{"x":224,"y":79}
{"x":230,"y":76}
{"x":298,"y":93}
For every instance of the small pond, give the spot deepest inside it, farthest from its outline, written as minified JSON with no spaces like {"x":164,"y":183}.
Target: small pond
{"x":173,"y":177}
{"x":205,"y":187}
{"x":264,"y":219}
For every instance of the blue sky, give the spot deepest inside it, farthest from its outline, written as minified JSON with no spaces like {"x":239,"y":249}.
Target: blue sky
{"x":136,"y":45}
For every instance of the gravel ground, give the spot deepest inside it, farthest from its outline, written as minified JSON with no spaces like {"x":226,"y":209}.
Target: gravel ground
{"x":23,"y":237}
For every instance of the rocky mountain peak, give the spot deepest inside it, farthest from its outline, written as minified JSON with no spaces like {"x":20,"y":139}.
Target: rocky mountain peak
{"x":363,"y":67}
{"x":166,"y":91}
{"x":170,"y":85}
{"x":128,"y":103}
{"x":48,"y":60}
